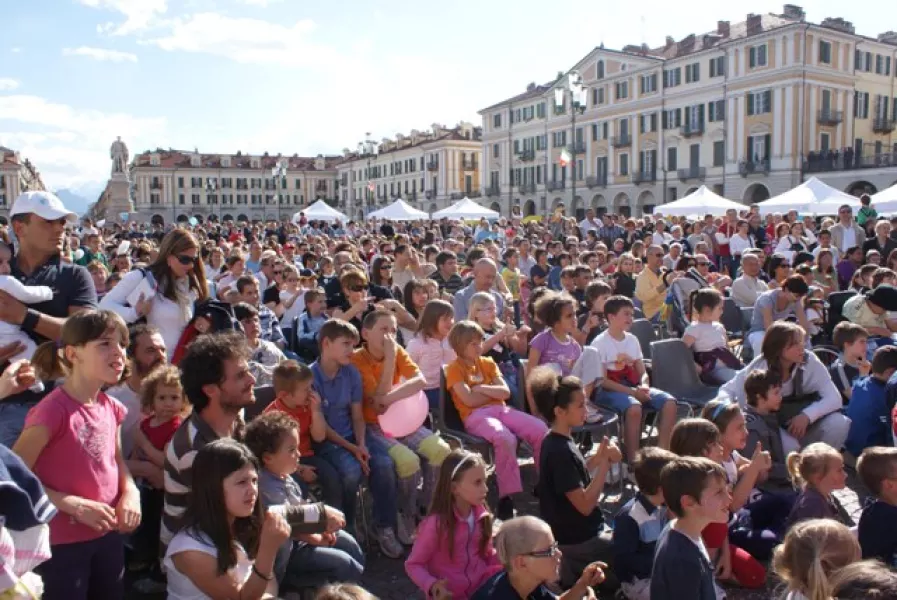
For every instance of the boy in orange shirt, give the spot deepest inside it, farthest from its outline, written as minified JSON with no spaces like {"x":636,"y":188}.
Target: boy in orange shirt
{"x":293,"y":395}
{"x":383,"y":363}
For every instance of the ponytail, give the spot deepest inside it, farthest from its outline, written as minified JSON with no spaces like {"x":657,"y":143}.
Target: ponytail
{"x":792,"y":463}
{"x":79,"y":329}
{"x":817,"y":580}
{"x":48,"y":361}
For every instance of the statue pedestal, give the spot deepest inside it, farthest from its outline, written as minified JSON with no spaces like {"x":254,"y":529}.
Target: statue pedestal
{"x":117,"y":198}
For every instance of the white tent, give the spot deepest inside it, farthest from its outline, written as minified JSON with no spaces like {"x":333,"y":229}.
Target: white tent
{"x":812,"y":197}
{"x":702,"y":201}
{"x":321,"y":211}
{"x":885,"y":201}
{"x":399,"y":211}
{"x":465,"y":209}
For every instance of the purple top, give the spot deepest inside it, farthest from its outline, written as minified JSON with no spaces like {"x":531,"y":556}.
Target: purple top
{"x":553,"y":351}
{"x":845,"y":269}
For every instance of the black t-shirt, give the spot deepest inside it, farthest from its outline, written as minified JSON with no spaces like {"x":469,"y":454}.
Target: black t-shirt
{"x":271,"y":294}
{"x":539,"y":271}
{"x":498,"y":587}
{"x":378,"y":292}
{"x":562,"y":469}
{"x":624,"y":285}
{"x":680,"y":570}
{"x":877,"y":532}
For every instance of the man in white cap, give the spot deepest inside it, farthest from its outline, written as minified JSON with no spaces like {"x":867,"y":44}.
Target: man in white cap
{"x":38,"y":220}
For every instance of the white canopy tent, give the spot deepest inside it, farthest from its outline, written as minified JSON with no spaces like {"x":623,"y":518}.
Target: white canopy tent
{"x":321,"y":211}
{"x":465,"y":209}
{"x":702,"y":201}
{"x":885,"y":201}
{"x":399,"y":211}
{"x":812,"y":197}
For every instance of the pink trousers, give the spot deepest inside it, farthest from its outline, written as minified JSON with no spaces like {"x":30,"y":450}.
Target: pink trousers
{"x":502,"y":426}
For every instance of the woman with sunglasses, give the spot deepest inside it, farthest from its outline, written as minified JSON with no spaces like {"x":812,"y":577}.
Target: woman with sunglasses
{"x":172,"y":283}
{"x":531,"y":559}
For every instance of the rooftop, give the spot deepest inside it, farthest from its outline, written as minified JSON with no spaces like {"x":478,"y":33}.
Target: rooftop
{"x":461,"y":132}
{"x":170,"y":159}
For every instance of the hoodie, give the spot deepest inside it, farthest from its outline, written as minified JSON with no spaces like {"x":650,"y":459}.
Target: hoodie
{"x":765,"y":430}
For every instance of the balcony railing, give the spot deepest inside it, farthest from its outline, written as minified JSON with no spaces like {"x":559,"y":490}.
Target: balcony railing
{"x":493,"y":190}
{"x":578,"y":147}
{"x":644,"y":177}
{"x":621,"y":141}
{"x":527,"y":188}
{"x":468,"y":164}
{"x":692,"y":173}
{"x":692,"y":129}
{"x":596,"y":181}
{"x":432,"y":166}
{"x":882,"y":125}
{"x":828,"y":116}
{"x":552,"y":186}
{"x":527,"y":155}
{"x":156,"y":185}
{"x":753,"y":167}
{"x":456,"y":195}
{"x":840,"y":161}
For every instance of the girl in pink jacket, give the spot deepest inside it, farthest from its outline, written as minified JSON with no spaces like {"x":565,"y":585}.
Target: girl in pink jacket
{"x":453,"y":554}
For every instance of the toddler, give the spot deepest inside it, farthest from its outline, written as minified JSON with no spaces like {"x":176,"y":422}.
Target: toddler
{"x":811,"y":553}
{"x":707,"y":338}
{"x":28,"y":294}
{"x":819,"y":470}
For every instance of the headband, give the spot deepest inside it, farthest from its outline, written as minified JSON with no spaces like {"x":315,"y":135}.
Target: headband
{"x":461,"y":462}
{"x":720,"y":408}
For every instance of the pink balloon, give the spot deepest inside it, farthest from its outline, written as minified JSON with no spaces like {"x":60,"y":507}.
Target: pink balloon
{"x":405,"y":416}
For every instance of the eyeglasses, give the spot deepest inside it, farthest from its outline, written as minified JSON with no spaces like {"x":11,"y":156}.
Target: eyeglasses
{"x":357,"y":288}
{"x":385,"y":267}
{"x":703,"y":264}
{"x":276,"y":272}
{"x":549,"y":552}
{"x":186,"y":260}
{"x":692,"y":265}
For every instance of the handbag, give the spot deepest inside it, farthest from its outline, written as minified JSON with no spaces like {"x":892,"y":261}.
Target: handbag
{"x":794,"y":404}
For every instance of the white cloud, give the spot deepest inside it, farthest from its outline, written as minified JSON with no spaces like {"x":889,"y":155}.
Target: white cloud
{"x":139,"y":14}
{"x":260,"y":3}
{"x":15,"y":50}
{"x":70,"y":146}
{"x":101,"y":54}
{"x":7,"y":84}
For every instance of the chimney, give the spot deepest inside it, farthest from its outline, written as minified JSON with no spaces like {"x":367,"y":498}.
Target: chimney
{"x":754,"y":24}
{"x":686,"y":45}
{"x":793,"y":12}
{"x":531,"y":86}
{"x":888,"y":37}
{"x":722,"y":28}
{"x":670,"y":41}
{"x":839,"y":24}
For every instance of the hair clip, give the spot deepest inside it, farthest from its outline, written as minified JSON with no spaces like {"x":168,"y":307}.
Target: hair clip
{"x":458,"y":466}
{"x":723,"y":405}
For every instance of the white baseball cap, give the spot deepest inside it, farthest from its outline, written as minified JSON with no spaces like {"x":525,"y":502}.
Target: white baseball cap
{"x":46,"y":205}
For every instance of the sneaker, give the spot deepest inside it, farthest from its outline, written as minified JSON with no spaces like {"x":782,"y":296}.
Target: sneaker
{"x":593,"y":415}
{"x":505,"y":508}
{"x":405,"y":528}
{"x":388,"y":543}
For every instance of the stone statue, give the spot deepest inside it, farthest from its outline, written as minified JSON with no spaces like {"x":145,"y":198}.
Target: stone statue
{"x":120,"y":157}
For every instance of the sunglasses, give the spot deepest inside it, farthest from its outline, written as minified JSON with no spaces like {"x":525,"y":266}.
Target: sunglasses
{"x":385,"y":267}
{"x":549,"y":552}
{"x":358,"y":288}
{"x":276,"y":272}
{"x":186,"y":260}
{"x":703,"y":264}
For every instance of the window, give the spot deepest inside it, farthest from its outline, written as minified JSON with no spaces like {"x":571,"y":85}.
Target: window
{"x":757,"y":56}
{"x":672,"y":77}
{"x":599,"y":70}
{"x":719,"y":153}
{"x":647,"y":123}
{"x":825,"y":52}
{"x":496,"y":120}
{"x":601,"y":168}
{"x":824,"y":142}
{"x":881,"y":106}
{"x":718,"y":66}
{"x":671,"y":159}
{"x":759,"y":103}
{"x":559,"y":139}
{"x":758,"y":147}
{"x":647,"y":161}
{"x":579,"y":170}
{"x":672,"y":119}
{"x":181,"y":199}
{"x":624,"y":164}
{"x":694,"y":116}
{"x":716,"y":111}
{"x":622,"y":90}
{"x":692,"y":73}
{"x":496,"y":152}
{"x":861,"y":105}
{"x":597,"y":96}
{"x":648,"y":83}
{"x":540,"y":110}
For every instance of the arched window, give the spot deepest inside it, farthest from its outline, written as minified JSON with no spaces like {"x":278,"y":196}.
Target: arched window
{"x":599,"y":70}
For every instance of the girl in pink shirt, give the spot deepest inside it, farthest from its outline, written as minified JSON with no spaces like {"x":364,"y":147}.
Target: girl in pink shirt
{"x":429,"y":349}
{"x":72,"y":443}
{"x":453,"y":553}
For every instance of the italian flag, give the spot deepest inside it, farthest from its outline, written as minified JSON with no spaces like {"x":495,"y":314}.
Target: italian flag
{"x":565,"y":157}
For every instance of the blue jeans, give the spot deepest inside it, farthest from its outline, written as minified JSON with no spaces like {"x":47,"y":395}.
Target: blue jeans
{"x":328,"y":478}
{"x":312,"y":566}
{"x":620,"y":402}
{"x":433,"y":399}
{"x":89,"y":570}
{"x":12,"y":421}
{"x":382,"y":479}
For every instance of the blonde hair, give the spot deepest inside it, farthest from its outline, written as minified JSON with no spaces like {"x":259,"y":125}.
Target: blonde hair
{"x":812,"y":551}
{"x":478,"y":302}
{"x":519,"y":536}
{"x":812,"y":463}
{"x":165,"y":375}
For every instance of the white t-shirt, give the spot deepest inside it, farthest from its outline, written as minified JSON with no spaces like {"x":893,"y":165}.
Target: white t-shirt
{"x":610,"y":349}
{"x":849,"y":239}
{"x":129,"y":398}
{"x":708,"y":336}
{"x":293,"y":311}
{"x":180,"y":587}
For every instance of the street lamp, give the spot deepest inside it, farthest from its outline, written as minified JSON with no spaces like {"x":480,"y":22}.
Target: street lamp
{"x":368,"y":148}
{"x":211,"y":188}
{"x":574,"y":88}
{"x":279,"y":173}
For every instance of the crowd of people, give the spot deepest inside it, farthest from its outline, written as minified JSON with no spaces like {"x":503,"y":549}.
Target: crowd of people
{"x":202,"y":405}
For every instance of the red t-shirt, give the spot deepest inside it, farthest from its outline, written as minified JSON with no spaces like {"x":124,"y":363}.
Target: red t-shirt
{"x":160,"y":435}
{"x":302,"y":416}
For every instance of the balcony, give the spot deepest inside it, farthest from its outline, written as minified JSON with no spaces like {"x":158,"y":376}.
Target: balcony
{"x":882,"y":125}
{"x":527,"y":155}
{"x":596,"y":181}
{"x":156,"y":185}
{"x":474,"y":194}
{"x":578,"y":147}
{"x":527,"y":188}
{"x":692,"y":173}
{"x":493,"y":190}
{"x":644,"y":177}
{"x":753,"y":167}
{"x":692,"y":129}
{"x":621,"y":141}
{"x":432,"y":166}
{"x":828,"y":116}
{"x":456,"y":195}
{"x":552,"y":186}
{"x":468,"y":164}
{"x":816,"y":162}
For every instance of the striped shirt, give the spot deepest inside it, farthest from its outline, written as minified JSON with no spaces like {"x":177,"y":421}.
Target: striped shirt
{"x":190,"y":438}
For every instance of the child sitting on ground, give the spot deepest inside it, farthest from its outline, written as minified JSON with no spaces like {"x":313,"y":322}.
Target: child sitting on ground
{"x":570,"y":486}
{"x":763,"y":395}
{"x":294,"y":396}
{"x":479,"y":394}
{"x":639,"y":523}
{"x":696,"y":495}
{"x":864,"y":580}
{"x":877,"y":531}
{"x":851,"y":340}
{"x":818,"y":470}
{"x":870,"y":417}
{"x":453,"y":553}
{"x":707,"y":338}
{"x":812,"y":552}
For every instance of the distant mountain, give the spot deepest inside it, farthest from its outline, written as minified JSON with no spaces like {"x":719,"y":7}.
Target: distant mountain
{"x":75,"y":202}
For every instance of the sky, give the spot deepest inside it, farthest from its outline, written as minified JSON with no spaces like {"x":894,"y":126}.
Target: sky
{"x":299,"y":76}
